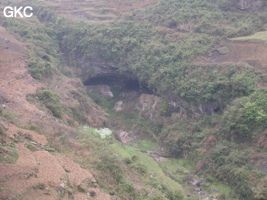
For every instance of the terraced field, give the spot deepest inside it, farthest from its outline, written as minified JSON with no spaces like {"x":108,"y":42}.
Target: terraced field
{"x":257,"y":37}
{"x":96,"y":11}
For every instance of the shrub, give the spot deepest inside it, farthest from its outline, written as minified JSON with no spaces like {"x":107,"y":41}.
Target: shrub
{"x":243,"y":183}
{"x":56,"y":110}
{"x":245,"y":116}
{"x":164,"y":107}
{"x":227,"y":5}
{"x":262,"y":190}
{"x":77,"y":115}
{"x":175,"y":195}
{"x":2,"y":130}
{"x":128,"y":161}
{"x":111,"y":164}
{"x":127,"y":187}
{"x":40,"y":69}
{"x":51,"y":101}
{"x":47,"y":96}
{"x":141,"y":168}
{"x":178,"y":147}
{"x":232,"y":165}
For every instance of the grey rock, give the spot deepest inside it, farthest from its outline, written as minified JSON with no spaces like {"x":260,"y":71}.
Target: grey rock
{"x":119,"y":106}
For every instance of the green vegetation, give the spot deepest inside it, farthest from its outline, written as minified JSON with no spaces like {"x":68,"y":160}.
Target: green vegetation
{"x":103,"y":133}
{"x":146,"y":162}
{"x":145,"y":145}
{"x":49,"y":99}
{"x":8,"y":153}
{"x":2,"y":130}
{"x":2,"y":188}
{"x":155,"y":57}
{"x":246,"y":117}
{"x":259,"y":36}
{"x":115,"y":165}
{"x":40,"y":68}
{"x":206,"y":16}
{"x":159,"y":45}
{"x":9,"y":116}
{"x":44,"y":57}
{"x":179,"y":169}
{"x":79,"y":108}
{"x":218,"y":143}
{"x":152,"y":55}
{"x":233,"y":166}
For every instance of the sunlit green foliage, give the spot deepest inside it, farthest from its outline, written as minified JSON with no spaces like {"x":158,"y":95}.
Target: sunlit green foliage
{"x":246,"y":115}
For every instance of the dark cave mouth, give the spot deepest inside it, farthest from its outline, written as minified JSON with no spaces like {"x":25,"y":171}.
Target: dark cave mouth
{"x":119,"y":83}
{"x":130,"y":85}
{"x":105,"y":80}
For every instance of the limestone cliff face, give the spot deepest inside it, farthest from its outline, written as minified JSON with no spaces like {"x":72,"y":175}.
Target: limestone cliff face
{"x":180,"y":106}
{"x":97,"y":69}
{"x":100,"y":77}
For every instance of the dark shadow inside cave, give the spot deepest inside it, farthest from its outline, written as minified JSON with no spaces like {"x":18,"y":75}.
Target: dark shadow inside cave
{"x":121,"y":83}
{"x":106,"y":80}
{"x":131,"y":85}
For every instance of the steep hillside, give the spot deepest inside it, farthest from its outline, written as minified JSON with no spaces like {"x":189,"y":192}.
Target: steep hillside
{"x":180,"y":84}
{"x":27,"y":168}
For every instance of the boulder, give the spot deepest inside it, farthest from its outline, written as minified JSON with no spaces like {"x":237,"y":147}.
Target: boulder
{"x":119,"y":106}
{"x":125,"y":137}
{"x":148,"y":101}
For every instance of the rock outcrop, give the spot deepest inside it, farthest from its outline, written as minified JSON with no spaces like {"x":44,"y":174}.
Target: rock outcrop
{"x":184,"y":108}
{"x":125,"y":137}
{"x":118,"y":106}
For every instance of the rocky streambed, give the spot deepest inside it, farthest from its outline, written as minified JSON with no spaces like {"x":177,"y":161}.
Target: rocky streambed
{"x":195,"y":183}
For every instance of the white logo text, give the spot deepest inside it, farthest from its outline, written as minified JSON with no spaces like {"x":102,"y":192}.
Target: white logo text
{"x":18,"y":12}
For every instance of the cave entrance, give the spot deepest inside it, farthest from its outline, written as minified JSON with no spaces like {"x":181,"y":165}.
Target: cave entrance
{"x":131,"y":85}
{"x":106,"y":80}
{"x":135,"y":85}
{"x":121,"y":83}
